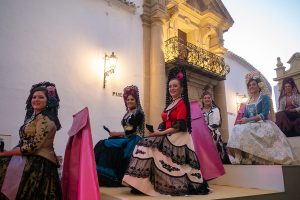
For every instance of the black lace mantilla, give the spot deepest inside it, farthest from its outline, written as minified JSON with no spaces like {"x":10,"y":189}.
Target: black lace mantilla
{"x":162,"y":182}
{"x":179,"y":154}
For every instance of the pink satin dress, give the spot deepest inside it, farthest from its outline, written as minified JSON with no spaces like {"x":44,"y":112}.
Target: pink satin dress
{"x":210,"y":163}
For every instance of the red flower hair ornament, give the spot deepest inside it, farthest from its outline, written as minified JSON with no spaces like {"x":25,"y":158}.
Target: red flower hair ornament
{"x":179,"y":76}
{"x":51,"y":91}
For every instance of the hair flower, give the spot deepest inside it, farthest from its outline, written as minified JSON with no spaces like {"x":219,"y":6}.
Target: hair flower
{"x":51,"y":91}
{"x":260,"y":84}
{"x":255,"y":77}
{"x":179,"y":76}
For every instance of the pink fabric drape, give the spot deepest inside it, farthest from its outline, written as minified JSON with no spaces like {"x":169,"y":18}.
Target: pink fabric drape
{"x":210,"y":162}
{"x":13,"y":176}
{"x":240,"y":113}
{"x":79,"y":177}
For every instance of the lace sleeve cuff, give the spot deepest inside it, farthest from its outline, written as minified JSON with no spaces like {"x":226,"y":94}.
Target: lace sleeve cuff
{"x":162,"y":126}
{"x":179,"y":125}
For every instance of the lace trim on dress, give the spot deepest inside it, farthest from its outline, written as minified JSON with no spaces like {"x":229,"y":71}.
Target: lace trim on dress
{"x":179,"y":154}
{"x":180,"y":125}
{"x":162,"y":182}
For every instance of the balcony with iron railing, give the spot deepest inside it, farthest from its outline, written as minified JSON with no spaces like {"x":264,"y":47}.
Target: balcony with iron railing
{"x":188,"y":54}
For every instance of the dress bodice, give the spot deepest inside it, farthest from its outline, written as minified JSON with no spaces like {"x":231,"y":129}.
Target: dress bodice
{"x":289,"y":102}
{"x":37,"y":137}
{"x":261,"y":108}
{"x":251,"y":110}
{"x":174,"y":116}
{"x":212,"y":118}
{"x":132,"y":123}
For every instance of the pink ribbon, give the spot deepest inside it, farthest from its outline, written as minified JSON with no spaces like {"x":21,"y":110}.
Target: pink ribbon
{"x":13,"y":177}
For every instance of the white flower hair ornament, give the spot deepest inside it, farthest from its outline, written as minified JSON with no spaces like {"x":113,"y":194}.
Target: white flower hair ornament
{"x":256,"y":75}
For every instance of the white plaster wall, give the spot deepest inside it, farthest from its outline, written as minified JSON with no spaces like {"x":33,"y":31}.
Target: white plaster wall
{"x":235,"y":82}
{"x":64,"y":42}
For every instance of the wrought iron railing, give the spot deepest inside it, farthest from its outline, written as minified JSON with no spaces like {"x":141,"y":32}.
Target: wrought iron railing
{"x":185,"y":52}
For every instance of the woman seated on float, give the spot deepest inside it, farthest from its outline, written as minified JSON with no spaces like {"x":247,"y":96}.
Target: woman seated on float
{"x":288,"y":115}
{"x":256,"y":139}
{"x":213,"y":120}
{"x":112,"y":155}
{"x":165,"y":163}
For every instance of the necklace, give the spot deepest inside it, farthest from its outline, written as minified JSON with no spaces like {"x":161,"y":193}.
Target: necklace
{"x":174,"y":100}
{"x":253,"y":99}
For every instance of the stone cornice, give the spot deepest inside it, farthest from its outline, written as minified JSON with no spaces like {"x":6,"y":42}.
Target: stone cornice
{"x":293,"y":70}
{"x":286,"y":75}
{"x":224,"y":11}
{"x":295,"y":56}
{"x":126,"y":4}
{"x":215,"y":12}
{"x":154,"y":11}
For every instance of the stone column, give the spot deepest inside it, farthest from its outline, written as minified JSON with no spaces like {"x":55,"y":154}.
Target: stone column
{"x":220,"y":100}
{"x":146,"y":65}
{"x":157,"y":72}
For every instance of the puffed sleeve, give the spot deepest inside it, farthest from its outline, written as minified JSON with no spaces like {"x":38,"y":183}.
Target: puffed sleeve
{"x":43,"y":126}
{"x":162,"y":126}
{"x":180,"y":123}
{"x":265,"y":108}
{"x":138,"y":118}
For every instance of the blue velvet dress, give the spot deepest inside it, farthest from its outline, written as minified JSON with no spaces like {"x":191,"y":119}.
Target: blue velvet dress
{"x":112,"y":155}
{"x":260,"y":142}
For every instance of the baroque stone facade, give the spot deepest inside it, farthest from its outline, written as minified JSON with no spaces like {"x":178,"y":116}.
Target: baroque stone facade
{"x":185,"y":33}
{"x":281,"y":73}
{"x":293,"y":71}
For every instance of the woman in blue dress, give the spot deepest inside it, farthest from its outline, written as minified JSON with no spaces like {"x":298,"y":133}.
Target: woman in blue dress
{"x":256,"y":139}
{"x":112,"y":155}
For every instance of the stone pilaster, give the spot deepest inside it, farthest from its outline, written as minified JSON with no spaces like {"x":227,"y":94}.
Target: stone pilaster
{"x":146,"y":53}
{"x":157,"y":75}
{"x":219,"y":94}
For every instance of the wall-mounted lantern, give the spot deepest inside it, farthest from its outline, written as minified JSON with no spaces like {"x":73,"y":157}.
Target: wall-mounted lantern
{"x":240,"y":98}
{"x":110,"y":63}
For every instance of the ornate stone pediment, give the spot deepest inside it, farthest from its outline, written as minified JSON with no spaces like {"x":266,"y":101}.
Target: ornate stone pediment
{"x":294,"y":61}
{"x":214,"y":6}
{"x":293,"y":71}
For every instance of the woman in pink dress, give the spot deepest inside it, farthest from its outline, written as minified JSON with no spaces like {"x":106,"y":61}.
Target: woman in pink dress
{"x":205,"y":148}
{"x":165,"y":163}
